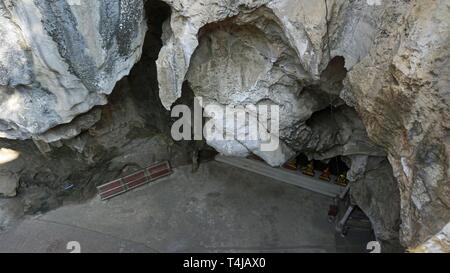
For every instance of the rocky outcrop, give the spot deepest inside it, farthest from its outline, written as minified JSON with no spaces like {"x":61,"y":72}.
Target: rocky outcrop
{"x":65,"y":163}
{"x":266,"y":52}
{"x":59,"y":59}
{"x":439,"y":243}
{"x":376,"y":192}
{"x":9,"y":183}
{"x":400,"y":90}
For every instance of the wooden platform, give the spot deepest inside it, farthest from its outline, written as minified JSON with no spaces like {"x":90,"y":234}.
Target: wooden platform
{"x":284,"y":175}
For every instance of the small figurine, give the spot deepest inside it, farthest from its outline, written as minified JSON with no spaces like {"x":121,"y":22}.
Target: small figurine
{"x":342,"y":180}
{"x":326,"y":174}
{"x":291,"y":165}
{"x":309,"y":169}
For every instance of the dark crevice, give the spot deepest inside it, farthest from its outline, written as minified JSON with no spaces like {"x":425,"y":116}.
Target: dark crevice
{"x":141,"y":85}
{"x":336,"y":164}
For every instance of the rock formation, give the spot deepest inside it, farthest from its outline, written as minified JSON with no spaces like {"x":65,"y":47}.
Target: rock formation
{"x":58,"y":59}
{"x":397,"y":58}
{"x":439,"y":243}
{"x":64,"y":163}
{"x":365,"y":80}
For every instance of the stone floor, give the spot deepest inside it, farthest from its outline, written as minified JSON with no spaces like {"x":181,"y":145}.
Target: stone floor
{"x":217,"y":209}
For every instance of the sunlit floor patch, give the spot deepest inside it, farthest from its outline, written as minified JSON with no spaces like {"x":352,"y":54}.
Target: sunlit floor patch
{"x":8,"y":155}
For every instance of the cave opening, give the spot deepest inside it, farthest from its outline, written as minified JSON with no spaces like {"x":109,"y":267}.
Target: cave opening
{"x":140,"y":87}
{"x":333,"y":75}
{"x":334,"y":128}
{"x":245,"y":59}
{"x":143,"y":77}
{"x":235,"y":63}
{"x":336,"y":165}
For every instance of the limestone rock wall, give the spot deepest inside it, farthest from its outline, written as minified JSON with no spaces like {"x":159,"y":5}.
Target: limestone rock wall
{"x":65,"y":163}
{"x":401,"y":90}
{"x":60,"y":58}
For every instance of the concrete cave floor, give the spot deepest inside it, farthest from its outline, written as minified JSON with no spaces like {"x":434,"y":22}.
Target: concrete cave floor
{"x":217,"y":209}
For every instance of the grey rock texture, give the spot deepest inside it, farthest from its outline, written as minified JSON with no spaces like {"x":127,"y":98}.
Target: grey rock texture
{"x":439,"y":243}
{"x":267,"y":52}
{"x":9,"y":183}
{"x":376,"y":192}
{"x":60,"y":58}
{"x":400,"y":90}
{"x":66,"y":163}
